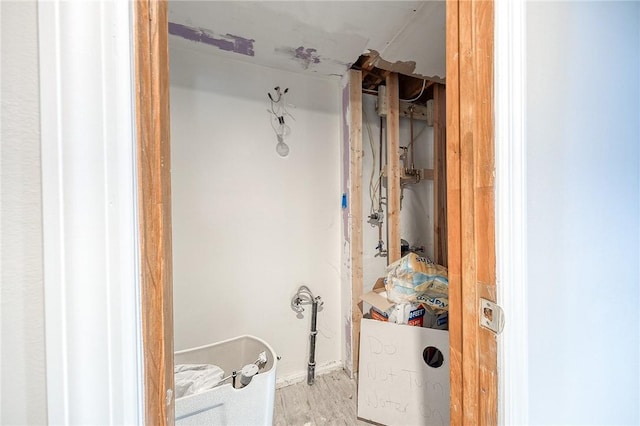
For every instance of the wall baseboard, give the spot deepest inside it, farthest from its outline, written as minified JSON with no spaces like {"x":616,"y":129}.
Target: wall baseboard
{"x":301,"y":376}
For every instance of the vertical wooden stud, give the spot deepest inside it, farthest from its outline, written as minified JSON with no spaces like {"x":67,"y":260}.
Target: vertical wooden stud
{"x":484,"y":167}
{"x":154,"y":189}
{"x":470,"y":202}
{"x":440,"y":174}
{"x":454,"y":235}
{"x":470,"y":327}
{"x":393,"y":168}
{"x":355,"y":189}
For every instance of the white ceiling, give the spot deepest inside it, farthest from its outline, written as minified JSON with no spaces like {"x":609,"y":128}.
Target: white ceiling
{"x":323,"y":37}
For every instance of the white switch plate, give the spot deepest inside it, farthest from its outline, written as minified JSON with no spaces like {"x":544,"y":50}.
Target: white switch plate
{"x":491,"y":316}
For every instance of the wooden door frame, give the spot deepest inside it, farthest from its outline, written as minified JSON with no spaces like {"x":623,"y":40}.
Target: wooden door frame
{"x":151,"y":55}
{"x":470,"y":207}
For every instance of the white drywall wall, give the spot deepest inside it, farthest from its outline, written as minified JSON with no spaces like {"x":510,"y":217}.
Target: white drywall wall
{"x":22,"y":368}
{"x":583,"y":138}
{"x":250,"y":227}
{"x":416,"y":215}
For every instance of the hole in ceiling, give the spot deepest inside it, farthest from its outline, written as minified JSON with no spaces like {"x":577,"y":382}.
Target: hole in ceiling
{"x":410,"y":87}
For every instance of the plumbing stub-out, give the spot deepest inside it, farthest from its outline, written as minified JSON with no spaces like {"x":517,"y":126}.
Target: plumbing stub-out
{"x":304,"y":296}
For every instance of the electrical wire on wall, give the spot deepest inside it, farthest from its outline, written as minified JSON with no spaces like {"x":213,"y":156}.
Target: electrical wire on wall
{"x":278,"y":110}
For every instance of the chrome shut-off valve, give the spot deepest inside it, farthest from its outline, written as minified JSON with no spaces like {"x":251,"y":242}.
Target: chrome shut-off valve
{"x":304,"y":296}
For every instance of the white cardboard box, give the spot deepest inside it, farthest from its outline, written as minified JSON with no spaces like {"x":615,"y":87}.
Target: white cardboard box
{"x":395,"y":384}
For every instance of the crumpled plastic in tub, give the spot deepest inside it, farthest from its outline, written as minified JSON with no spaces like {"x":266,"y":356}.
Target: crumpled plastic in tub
{"x":195,"y":378}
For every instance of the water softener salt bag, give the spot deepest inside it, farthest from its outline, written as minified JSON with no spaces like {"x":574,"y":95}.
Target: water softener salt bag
{"x":414,"y":279}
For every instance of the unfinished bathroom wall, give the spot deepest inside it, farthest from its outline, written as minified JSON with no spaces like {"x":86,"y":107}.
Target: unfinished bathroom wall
{"x":250,"y":227}
{"x":416,"y":214}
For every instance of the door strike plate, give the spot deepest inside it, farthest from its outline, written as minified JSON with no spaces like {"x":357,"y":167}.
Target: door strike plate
{"x":491,"y":316}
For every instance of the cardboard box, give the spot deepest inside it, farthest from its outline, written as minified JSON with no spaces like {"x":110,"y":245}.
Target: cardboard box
{"x":439,"y":322}
{"x":381,"y":307}
{"x":420,"y":316}
{"x":414,"y":317}
{"x":396,"y":386}
{"x":377,"y":297}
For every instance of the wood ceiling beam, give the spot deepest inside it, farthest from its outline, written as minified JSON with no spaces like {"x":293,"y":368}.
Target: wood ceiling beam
{"x":382,"y":77}
{"x":411,"y":89}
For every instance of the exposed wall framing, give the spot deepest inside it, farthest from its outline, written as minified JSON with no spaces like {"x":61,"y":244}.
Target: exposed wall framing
{"x":393,"y":168}
{"x":395,"y":175}
{"x":439,"y":175}
{"x":154,"y":198}
{"x":355,"y":190}
{"x":470,"y":208}
{"x":470,"y":205}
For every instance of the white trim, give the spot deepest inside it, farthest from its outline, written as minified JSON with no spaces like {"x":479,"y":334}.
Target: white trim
{"x":91,"y":278}
{"x":510,"y":91}
{"x":301,"y":376}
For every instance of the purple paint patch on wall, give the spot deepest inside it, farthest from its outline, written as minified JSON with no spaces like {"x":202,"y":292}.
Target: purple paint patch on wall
{"x":305,"y":56}
{"x":308,"y":55}
{"x":227,"y":42}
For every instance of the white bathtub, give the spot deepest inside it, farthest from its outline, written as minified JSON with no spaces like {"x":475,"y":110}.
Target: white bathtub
{"x":225,"y":405}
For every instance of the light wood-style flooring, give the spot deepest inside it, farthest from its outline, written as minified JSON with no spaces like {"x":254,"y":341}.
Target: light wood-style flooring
{"x":331,"y":400}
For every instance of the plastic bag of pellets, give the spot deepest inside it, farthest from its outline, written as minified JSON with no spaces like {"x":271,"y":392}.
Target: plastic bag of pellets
{"x":415,"y":279}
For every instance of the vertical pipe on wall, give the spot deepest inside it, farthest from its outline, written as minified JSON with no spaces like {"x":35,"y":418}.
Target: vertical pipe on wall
{"x":380,"y":165}
{"x":412,"y":151}
{"x":311,"y":369}
{"x":304,"y":296}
